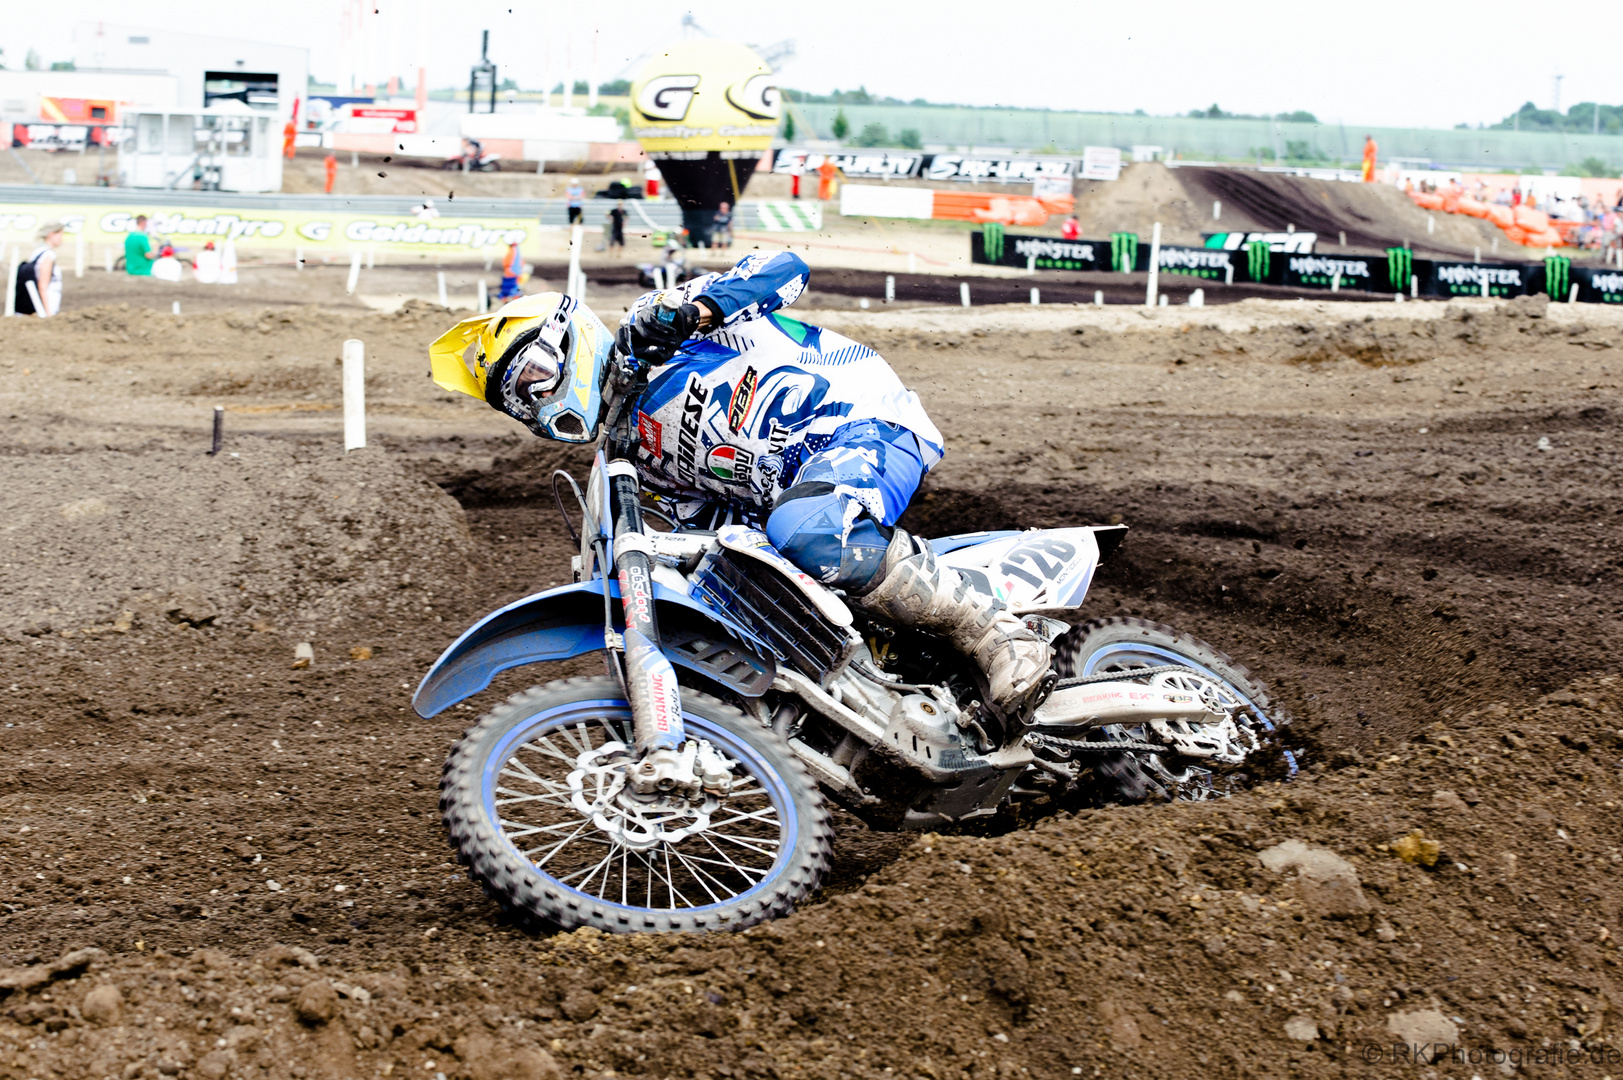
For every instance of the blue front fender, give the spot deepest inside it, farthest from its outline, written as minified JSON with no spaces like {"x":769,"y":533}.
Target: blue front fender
{"x":568,"y":621}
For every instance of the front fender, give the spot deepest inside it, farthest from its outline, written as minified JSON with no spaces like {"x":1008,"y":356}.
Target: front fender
{"x":568,"y":621}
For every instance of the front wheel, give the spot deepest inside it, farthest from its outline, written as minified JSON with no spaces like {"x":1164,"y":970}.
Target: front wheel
{"x":1124,"y":645}
{"x":534,"y":802}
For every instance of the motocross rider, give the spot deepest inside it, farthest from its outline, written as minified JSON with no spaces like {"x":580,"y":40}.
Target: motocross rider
{"x":752,"y":417}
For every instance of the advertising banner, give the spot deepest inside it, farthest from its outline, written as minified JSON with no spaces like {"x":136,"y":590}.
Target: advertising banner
{"x":996,"y":169}
{"x":190,"y":228}
{"x":1465,"y":279}
{"x":1280,"y":243}
{"x":1101,"y":163}
{"x":1599,"y":286}
{"x":998,"y":248}
{"x":369,"y":120}
{"x":855,"y":164}
{"x":1363,"y":272}
{"x":1194,"y":261}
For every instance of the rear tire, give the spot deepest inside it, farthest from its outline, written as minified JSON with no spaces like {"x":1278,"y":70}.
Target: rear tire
{"x":1122,"y":644}
{"x":755,"y":856}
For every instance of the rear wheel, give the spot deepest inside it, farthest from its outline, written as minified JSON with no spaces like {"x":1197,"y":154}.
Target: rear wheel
{"x":1124,"y":645}
{"x":534,"y":801}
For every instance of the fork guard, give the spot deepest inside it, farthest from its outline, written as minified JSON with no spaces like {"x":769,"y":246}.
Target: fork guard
{"x":568,"y":621}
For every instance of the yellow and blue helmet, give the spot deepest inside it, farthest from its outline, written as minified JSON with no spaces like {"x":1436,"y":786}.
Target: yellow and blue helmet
{"x":540,"y":359}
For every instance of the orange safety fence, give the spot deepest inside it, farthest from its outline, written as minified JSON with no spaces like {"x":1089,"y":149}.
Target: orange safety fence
{"x":1022,"y":210}
{"x":1523,"y":225}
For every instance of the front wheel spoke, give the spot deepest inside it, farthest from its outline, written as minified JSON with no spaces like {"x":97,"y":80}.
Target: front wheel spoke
{"x":522,"y":772}
{"x":590,"y":871}
{"x":753,"y":815}
{"x":744,"y":871}
{"x":741,"y":842}
{"x":559,"y":846}
{"x":544,"y":745}
{"x":698,"y":875}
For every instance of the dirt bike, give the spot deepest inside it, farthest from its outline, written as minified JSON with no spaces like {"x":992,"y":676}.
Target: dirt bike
{"x":690,"y":787}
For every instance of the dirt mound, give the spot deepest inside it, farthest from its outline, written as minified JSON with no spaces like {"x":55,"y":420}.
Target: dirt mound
{"x":301,"y":537}
{"x":1374,"y":216}
{"x":1396,"y":899}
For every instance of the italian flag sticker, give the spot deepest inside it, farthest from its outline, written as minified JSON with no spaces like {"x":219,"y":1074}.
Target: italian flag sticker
{"x":730,"y":463}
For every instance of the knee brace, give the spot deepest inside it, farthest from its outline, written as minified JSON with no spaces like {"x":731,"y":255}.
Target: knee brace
{"x":808,"y":527}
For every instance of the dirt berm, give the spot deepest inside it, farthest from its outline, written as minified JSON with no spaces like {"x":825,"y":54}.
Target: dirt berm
{"x":1402,"y":520}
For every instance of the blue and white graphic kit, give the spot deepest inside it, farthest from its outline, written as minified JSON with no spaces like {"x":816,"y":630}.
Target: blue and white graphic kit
{"x":736,"y":413}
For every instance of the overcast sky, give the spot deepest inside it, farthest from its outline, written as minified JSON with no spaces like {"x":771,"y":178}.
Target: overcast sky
{"x":1376,"y":62}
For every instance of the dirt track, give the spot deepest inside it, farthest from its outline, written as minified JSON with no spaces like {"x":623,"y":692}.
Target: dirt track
{"x":1353,"y":500}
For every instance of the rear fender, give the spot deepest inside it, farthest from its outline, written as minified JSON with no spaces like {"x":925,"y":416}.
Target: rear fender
{"x":568,"y":621}
{"x":1034,"y":571}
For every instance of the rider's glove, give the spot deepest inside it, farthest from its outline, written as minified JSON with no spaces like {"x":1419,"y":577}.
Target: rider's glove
{"x":656,"y":331}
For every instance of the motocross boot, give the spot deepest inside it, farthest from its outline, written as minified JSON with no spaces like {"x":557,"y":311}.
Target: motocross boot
{"x":913,"y":589}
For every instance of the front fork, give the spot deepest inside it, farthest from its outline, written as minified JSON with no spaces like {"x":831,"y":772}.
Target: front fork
{"x":665,"y":757}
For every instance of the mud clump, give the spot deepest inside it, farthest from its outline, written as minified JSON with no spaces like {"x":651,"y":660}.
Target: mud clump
{"x":270,"y":533}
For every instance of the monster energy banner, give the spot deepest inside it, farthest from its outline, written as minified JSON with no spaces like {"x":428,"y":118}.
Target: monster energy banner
{"x":1342,"y":272}
{"x":1465,"y":279}
{"x":1399,"y":268}
{"x":1124,"y":252}
{"x":1558,"y":277}
{"x":1599,"y":286}
{"x":998,"y":248}
{"x":1196,"y":262}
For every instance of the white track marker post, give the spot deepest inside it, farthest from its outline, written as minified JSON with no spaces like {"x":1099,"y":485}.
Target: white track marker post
{"x":890,"y":288}
{"x":1162,"y":300}
{"x":1098,"y":298}
{"x":862,"y":302}
{"x":354,"y":394}
{"x":298,"y":258}
{"x":1217,"y":209}
{"x":354,"y":273}
{"x":912,"y":263}
{"x":79,"y":253}
{"x":1477,"y":251}
{"x":174,"y":309}
{"x":1197,"y":298}
{"x":371,"y":255}
{"x":1035,"y":299}
{"x":577,"y":239}
{"x":1572,"y":294}
{"x":443,"y":301}
{"x":487,"y":260}
{"x":11,"y":284}
{"x":1155,"y":266}
{"x":1343,"y":235}
{"x":1228,"y":273}
{"x":963,"y":293}
{"x":1335,"y":282}
{"x":1493,"y":245}
{"x":1487,"y":292}
{"x":108,"y":253}
{"x":1414,"y":286}
{"x":484,"y":298}
{"x":1431,"y":224}
{"x":1031,"y":264}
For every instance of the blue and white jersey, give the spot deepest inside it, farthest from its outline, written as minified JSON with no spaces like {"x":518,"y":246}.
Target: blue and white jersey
{"x":731,"y":418}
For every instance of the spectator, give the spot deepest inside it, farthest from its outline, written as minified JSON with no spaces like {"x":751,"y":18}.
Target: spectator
{"x":138,"y":256}
{"x":826,"y":174}
{"x":44,"y":272}
{"x":206,"y":265}
{"x":617,"y":226}
{"x":575,"y":195}
{"x":512,"y":267}
{"x":331,"y":162}
{"x":1072,"y":229}
{"x":721,"y":234}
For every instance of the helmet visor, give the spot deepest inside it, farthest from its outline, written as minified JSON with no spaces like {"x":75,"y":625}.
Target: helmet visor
{"x":535,"y":372}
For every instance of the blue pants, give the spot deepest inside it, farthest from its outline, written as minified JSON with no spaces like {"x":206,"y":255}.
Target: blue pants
{"x":835,"y":521}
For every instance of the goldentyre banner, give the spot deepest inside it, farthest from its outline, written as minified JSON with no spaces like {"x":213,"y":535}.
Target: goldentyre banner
{"x":193,"y":226}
